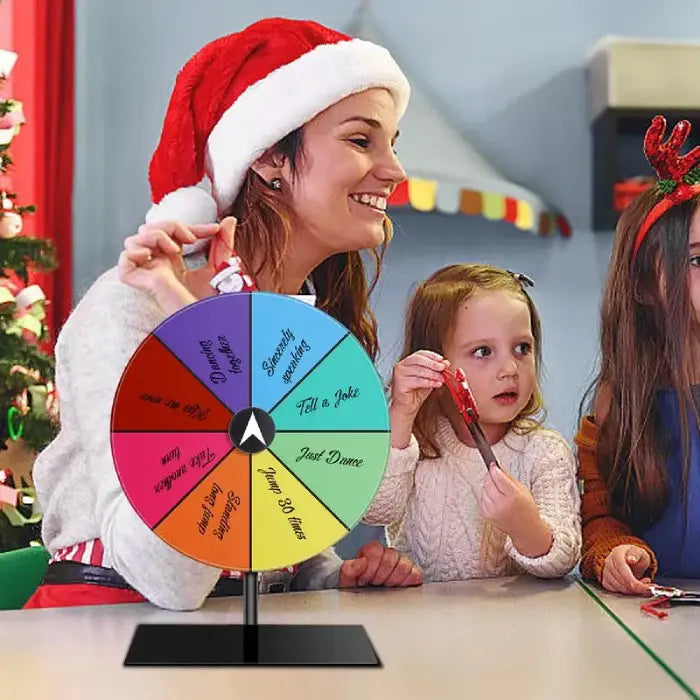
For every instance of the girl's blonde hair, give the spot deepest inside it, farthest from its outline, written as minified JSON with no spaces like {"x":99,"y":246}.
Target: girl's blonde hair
{"x":430,"y":322}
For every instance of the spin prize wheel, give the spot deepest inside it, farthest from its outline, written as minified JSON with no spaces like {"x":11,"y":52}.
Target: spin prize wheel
{"x":250,"y":431}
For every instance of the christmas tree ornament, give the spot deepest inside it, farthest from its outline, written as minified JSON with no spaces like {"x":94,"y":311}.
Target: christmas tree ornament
{"x":15,"y":425}
{"x":31,"y":300}
{"x":10,"y":224}
{"x":29,"y":314}
{"x":7,"y":495}
{"x":21,"y":402}
{"x":43,"y":400}
{"x":27,"y":326}
{"x":7,"y":298}
{"x":11,"y":119}
{"x":32,"y":373}
{"x":10,"y":220}
{"x":26,"y":510}
{"x":7,"y":62}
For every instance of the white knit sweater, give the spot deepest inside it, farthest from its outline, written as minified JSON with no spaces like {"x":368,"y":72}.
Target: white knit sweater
{"x":75,"y":477}
{"x":432,"y":506}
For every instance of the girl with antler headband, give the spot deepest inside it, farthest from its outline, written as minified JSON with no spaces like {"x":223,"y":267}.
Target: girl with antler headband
{"x":639,"y":451}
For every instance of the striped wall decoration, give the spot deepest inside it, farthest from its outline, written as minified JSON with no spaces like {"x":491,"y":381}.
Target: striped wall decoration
{"x":429,"y":195}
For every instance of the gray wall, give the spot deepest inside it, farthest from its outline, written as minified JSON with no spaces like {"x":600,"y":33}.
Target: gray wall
{"x":510,"y":75}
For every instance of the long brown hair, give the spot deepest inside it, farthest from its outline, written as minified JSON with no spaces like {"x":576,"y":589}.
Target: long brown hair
{"x":430,"y":321}
{"x":265,"y":224}
{"x":647,"y":329}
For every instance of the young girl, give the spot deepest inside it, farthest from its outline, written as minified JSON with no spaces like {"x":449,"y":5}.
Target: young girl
{"x":639,"y":451}
{"x":443,"y":508}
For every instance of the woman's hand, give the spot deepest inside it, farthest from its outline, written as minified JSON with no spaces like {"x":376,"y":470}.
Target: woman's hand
{"x":152,"y":261}
{"x":377,"y":565}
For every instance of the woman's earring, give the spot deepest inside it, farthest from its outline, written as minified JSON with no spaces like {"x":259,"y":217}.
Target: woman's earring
{"x":276,"y":183}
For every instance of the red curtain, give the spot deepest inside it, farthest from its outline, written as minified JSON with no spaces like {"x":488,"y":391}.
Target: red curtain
{"x":43,"y":34}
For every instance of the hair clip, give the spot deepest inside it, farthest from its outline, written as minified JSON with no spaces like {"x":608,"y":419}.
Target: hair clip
{"x":521,"y":277}
{"x":458,"y":387}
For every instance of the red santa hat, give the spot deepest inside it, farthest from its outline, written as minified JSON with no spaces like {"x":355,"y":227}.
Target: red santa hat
{"x":242,"y":93}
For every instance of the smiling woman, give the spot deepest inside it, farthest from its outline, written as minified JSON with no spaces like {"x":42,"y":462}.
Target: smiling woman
{"x":345,"y":172}
{"x":293,"y":124}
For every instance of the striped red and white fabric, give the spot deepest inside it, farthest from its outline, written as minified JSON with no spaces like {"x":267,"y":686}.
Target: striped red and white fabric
{"x":92,"y":553}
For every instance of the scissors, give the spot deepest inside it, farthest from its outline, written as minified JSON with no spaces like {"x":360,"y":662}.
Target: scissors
{"x":665,"y":596}
{"x":676,"y":595}
{"x":458,"y":387}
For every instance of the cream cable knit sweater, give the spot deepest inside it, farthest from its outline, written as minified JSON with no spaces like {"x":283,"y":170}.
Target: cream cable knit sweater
{"x":432,"y":506}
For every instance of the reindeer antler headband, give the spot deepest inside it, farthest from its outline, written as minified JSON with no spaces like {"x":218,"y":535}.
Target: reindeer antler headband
{"x":679,"y":176}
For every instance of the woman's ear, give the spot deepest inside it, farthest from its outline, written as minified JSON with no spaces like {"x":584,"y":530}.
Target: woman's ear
{"x":269,"y":166}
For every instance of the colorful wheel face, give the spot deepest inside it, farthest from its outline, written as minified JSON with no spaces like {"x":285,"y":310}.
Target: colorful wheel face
{"x":250,"y":431}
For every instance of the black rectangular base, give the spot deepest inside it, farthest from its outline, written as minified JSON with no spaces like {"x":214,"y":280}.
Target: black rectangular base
{"x":251,"y":645}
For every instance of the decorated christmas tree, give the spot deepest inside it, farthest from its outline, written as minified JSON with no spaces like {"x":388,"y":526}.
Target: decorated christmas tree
{"x":28,"y":403}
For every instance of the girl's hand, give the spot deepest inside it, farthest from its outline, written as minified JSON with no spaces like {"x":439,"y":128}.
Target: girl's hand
{"x":152,"y":261}
{"x":509,"y":505}
{"x":624,"y":569}
{"x":413,"y":379}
